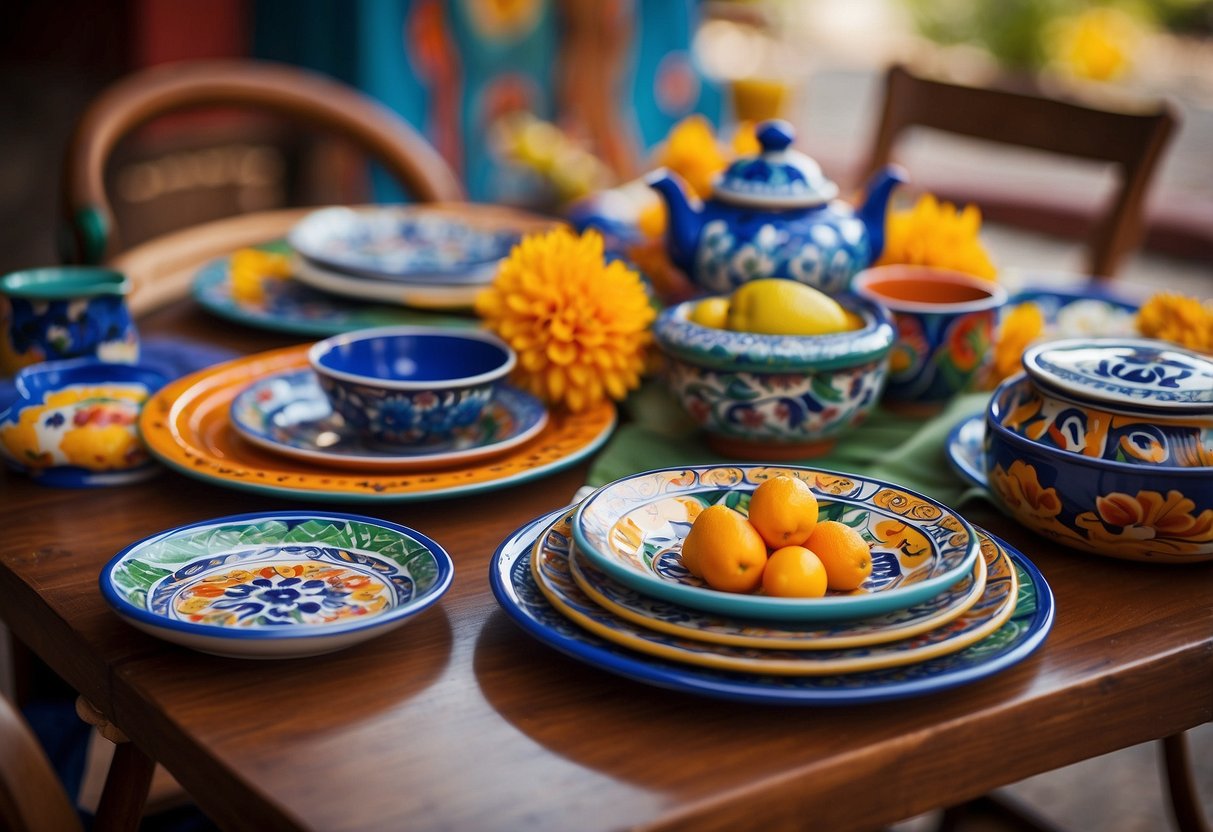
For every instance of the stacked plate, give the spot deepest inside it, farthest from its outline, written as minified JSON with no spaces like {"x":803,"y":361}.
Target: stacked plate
{"x":602,"y":581}
{"x":415,"y":256}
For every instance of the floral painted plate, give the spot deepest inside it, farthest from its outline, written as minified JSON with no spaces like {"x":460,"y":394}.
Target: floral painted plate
{"x":516,"y":591}
{"x":403,"y":243}
{"x":684,"y":622}
{"x":415,"y":295}
{"x":187,"y":426}
{"x":291,"y":306}
{"x":288,"y":413}
{"x":964,"y":450}
{"x":278,"y":584}
{"x":550,"y":569}
{"x":632,"y":529}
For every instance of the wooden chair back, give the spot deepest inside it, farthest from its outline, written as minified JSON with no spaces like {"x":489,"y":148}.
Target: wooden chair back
{"x":1133,"y":142}
{"x":298,"y":94}
{"x":31,"y":797}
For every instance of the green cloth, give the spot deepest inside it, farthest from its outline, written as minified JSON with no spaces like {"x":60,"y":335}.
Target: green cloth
{"x":891,"y":447}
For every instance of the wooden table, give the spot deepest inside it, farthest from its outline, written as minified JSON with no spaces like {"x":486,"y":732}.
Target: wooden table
{"x":460,"y":720}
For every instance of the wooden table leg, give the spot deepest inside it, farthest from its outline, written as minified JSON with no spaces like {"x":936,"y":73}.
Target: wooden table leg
{"x":1185,"y":802}
{"x":128,"y":781}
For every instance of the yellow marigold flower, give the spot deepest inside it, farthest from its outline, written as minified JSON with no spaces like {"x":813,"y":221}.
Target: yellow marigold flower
{"x":934,"y":233}
{"x":250,"y":267}
{"x":1021,"y":326}
{"x":1181,"y":320}
{"x":579,"y":325}
{"x":1098,"y":43}
{"x":690,"y":150}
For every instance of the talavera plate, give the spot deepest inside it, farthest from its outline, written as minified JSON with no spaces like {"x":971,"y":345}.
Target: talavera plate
{"x":632,"y":529}
{"x":550,"y":570}
{"x":276,"y":585}
{"x":520,"y":597}
{"x":289,"y":414}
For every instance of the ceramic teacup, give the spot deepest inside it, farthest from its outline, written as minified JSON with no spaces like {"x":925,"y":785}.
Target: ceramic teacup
{"x":945,"y":327}
{"x":410,"y":385}
{"x":61,"y":312}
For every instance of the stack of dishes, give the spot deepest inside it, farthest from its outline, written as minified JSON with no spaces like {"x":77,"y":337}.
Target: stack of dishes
{"x":602,"y":581}
{"x":417,"y":256}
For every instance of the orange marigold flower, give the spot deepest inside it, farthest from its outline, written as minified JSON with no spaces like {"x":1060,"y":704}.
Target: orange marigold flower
{"x":1021,"y":326}
{"x":1181,"y":320}
{"x":934,"y":233}
{"x":580,"y":325}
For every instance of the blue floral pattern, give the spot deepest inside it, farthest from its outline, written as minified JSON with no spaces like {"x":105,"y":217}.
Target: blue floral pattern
{"x":1133,"y":374}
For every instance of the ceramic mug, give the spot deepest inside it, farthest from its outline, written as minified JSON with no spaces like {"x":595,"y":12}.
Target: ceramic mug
{"x":61,"y":312}
{"x":945,"y":328}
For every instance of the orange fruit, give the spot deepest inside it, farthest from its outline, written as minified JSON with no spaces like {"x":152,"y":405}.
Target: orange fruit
{"x":723,"y":548}
{"x":784,"y":511}
{"x":844,"y":553}
{"x":794,"y":572}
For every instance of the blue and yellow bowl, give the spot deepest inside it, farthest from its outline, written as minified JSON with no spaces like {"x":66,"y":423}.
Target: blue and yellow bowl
{"x":776,"y":397}
{"x":74,"y":423}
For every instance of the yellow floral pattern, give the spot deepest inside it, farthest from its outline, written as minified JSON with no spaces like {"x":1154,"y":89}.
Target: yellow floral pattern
{"x":1148,"y":522}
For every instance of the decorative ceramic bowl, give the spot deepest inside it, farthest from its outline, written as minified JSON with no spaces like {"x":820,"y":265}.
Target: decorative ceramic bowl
{"x":74,"y":423}
{"x":632,"y":529}
{"x":410,"y":385}
{"x":276,"y":584}
{"x":775,"y":396}
{"x":1077,"y":427}
{"x":945,"y":326}
{"x":63,"y":312}
{"x":1157,"y":513}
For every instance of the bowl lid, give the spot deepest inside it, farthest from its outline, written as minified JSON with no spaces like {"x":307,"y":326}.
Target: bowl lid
{"x":1135,"y":373}
{"x":778,"y":177}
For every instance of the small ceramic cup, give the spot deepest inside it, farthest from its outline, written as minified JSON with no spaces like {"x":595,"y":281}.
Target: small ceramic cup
{"x":945,"y":327}
{"x":62,"y":312}
{"x":410,"y":385}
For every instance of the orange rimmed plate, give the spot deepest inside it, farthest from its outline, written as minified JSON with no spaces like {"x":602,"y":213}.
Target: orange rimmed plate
{"x":187,"y":426}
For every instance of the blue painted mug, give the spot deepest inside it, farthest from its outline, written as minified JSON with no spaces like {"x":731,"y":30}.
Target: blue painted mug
{"x":60,"y":312}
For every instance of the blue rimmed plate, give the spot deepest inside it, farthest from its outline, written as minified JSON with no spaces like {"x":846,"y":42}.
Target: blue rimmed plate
{"x":516,"y":592}
{"x":294,"y":307}
{"x":289,"y":414}
{"x":551,"y":572}
{"x":964,"y":450}
{"x":402,"y":243}
{"x":633,"y":529}
{"x":277,"y":584}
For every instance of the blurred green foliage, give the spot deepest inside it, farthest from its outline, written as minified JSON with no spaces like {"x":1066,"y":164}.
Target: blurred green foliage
{"x":1014,"y":32}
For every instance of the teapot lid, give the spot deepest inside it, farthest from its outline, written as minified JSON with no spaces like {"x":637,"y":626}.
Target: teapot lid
{"x":778,"y":177}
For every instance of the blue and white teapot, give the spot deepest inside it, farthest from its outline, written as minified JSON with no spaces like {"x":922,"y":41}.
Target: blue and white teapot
{"x":774,"y":215}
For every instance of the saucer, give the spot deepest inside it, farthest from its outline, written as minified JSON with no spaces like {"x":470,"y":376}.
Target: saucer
{"x":415,"y":295}
{"x":288,"y":413}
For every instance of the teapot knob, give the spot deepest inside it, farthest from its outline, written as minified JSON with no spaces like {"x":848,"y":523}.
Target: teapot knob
{"x":775,"y":134}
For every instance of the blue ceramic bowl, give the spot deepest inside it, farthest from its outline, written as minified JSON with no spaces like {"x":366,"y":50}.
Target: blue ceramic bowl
{"x":1156,"y":513}
{"x":73,"y":423}
{"x":410,"y":385}
{"x":776,"y":397}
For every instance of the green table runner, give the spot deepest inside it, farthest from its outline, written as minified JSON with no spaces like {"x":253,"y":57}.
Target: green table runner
{"x":905,"y":451}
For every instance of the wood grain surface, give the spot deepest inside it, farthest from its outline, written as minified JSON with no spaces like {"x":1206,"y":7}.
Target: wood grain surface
{"x":460,"y":720}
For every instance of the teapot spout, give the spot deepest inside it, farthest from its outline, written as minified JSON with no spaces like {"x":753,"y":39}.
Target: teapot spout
{"x":684,"y":222}
{"x":875,"y":206}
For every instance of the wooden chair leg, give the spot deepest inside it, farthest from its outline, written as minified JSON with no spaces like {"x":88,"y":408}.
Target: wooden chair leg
{"x":126,"y":789}
{"x":1186,"y":810}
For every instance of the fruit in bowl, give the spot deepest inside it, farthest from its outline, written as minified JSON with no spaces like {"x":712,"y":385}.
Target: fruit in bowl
{"x":777,"y":396}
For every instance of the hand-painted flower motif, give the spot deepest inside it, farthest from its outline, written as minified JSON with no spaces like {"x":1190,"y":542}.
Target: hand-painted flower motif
{"x":1148,"y":522}
{"x":1021,"y":490}
{"x":906,"y":505}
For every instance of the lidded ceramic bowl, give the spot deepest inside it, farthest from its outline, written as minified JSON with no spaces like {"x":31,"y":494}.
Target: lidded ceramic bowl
{"x":74,"y":423}
{"x":1103,"y":445}
{"x":410,"y":385}
{"x":1134,"y":401}
{"x":775,"y":397}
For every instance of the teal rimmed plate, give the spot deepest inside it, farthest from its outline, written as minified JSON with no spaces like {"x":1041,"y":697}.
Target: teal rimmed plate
{"x":515,"y":590}
{"x":289,"y":414}
{"x":633,"y":528}
{"x":278,"y":584}
{"x":550,"y":570}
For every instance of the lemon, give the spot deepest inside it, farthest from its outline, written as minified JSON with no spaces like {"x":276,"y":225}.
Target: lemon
{"x":711,"y":312}
{"x":774,"y":306}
